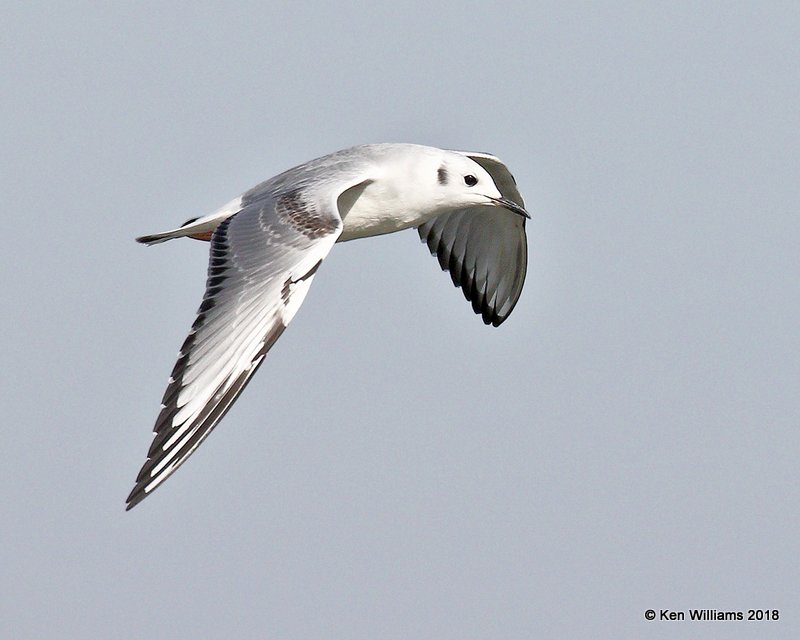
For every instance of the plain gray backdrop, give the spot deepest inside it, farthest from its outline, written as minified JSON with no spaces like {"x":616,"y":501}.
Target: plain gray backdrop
{"x":627,"y":440}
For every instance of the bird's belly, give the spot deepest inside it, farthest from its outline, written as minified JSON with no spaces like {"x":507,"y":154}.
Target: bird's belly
{"x":377,"y":210}
{"x":356,"y":226}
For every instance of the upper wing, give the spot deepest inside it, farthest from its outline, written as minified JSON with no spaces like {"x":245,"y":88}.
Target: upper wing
{"x":262,"y":262}
{"x":484,"y":248}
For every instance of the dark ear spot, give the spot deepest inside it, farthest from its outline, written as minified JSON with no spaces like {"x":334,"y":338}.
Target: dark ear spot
{"x":442,"y":175}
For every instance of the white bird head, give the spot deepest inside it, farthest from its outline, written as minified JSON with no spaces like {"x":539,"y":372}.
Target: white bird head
{"x":454,"y":181}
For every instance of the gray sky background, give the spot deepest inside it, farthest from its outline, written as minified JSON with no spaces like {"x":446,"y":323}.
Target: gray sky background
{"x":627,"y":440}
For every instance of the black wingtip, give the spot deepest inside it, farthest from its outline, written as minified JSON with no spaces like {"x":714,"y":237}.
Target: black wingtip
{"x":136,"y":496}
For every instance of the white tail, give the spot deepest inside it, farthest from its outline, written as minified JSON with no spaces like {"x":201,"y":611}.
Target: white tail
{"x":160,"y":237}
{"x":197,"y":228}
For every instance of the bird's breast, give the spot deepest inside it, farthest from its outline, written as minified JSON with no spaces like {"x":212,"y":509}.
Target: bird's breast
{"x":376,"y":209}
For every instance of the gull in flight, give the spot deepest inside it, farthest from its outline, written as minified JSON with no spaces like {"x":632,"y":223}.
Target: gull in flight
{"x":267,"y":245}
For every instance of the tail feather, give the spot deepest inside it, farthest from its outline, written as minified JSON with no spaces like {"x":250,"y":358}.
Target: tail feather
{"x":159,"y":237}
{"x":197,"y":228}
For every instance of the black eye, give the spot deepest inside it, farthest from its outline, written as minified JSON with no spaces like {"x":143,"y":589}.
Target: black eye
{"x":470,"y":180}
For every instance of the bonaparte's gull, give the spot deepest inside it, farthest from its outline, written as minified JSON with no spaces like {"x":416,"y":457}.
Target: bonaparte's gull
{"x":267,"y":244}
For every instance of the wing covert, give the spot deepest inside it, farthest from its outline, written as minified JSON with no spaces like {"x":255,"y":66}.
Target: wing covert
{"x":261,"y":264}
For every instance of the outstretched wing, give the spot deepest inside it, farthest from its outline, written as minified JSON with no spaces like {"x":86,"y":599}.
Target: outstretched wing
{"x":484,"y":248}
{"x":262,"y":262}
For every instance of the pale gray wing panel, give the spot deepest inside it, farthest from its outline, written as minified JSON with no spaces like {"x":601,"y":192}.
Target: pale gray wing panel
{"x":262,"y":261}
